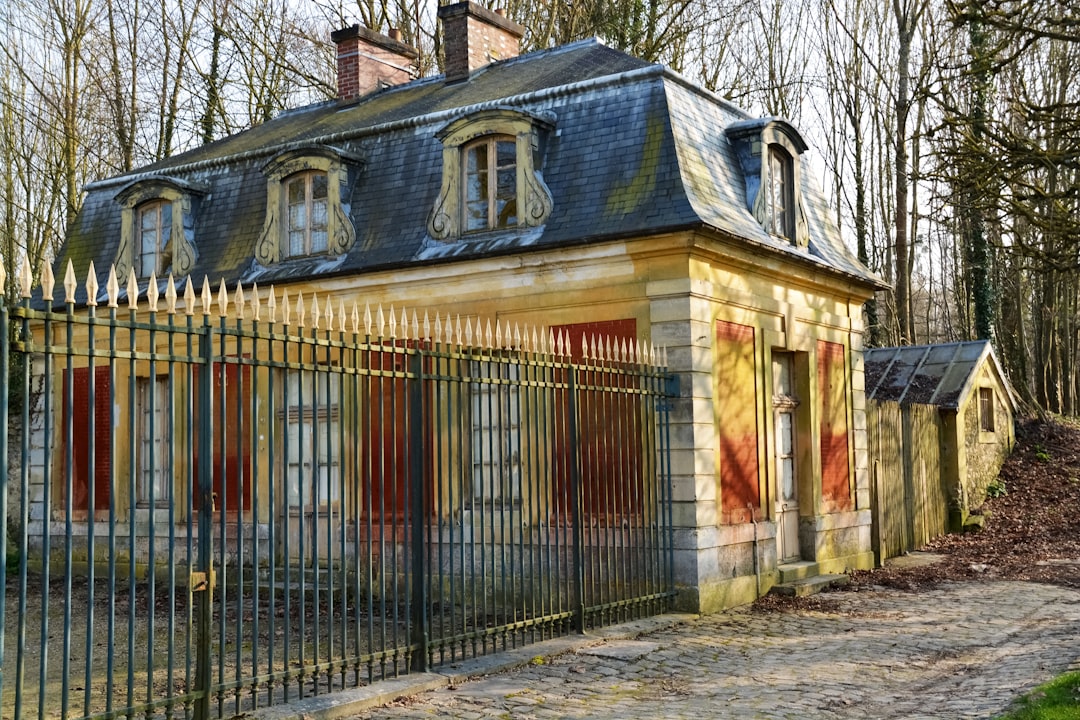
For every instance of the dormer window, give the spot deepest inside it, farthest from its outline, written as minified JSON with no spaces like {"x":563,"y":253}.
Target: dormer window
{"x":490,"y":184}
{"x":781,"y":193}
{"x":491,"y":174}
{"x":770,"y":153}
{"x":157,"y":231}
{"x":306,"y":196}
{"x":307,"y":204}
{"x":155,"y":234}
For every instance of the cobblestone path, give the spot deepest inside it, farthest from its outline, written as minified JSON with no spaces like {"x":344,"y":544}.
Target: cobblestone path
{"x":965,"y":650}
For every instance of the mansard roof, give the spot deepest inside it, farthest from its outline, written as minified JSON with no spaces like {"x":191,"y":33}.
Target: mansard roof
{"x":636,"y":150}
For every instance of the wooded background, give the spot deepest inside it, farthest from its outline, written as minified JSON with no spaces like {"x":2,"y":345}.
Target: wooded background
{"x":946,"y":131}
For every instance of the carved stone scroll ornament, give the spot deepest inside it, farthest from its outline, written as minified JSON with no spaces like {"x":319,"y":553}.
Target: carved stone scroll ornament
{"x":344,"y":234}
{"x":267,"y":249}
{"x":538,"y":201}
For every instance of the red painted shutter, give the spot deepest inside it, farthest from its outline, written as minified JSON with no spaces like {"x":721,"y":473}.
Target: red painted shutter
{"x":385,"y":468}
{"x":234,"y":440}
{"x":80,"y":417}
{"x":609,"y":432}
{"x":832,"y":398}
{"x":736,"y":407}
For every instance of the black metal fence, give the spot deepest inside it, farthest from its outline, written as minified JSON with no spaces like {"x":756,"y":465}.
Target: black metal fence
{"x":238,"y":502}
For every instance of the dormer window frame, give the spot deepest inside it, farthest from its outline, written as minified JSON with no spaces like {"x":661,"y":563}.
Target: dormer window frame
{"x":779,"y":141}
{"x":780,"y":192}
{"x":305,"y":221}
{"x":532,"y":198}
{"x":756,"y":142}
{"x":181,"y":197}
{"x":340,"y":169}
{"x":158,"y":252}
{"x":487,"y":171}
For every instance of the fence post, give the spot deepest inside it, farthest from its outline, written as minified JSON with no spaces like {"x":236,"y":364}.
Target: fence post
{"x":204,"y":597}
{"x":417,"y":503}
{"x":577,"y":511}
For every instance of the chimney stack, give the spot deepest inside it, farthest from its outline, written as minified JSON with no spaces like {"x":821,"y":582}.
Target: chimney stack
{"x":474,"y":36}
{"x":367,"y":61}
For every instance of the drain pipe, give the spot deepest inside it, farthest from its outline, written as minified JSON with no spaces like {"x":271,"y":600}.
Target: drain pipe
{"x":757,"y":569}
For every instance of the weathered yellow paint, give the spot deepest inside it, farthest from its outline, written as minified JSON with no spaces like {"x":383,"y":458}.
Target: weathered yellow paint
{"x":676,"y":287}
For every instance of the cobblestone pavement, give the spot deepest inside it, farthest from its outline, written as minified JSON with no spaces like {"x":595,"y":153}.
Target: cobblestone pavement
{"x":965,"y":650}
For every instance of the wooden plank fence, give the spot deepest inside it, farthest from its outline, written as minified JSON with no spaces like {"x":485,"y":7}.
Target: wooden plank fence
{"x":910,"y":501}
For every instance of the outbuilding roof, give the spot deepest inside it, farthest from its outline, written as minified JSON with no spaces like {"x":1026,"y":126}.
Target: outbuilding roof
{"x":942,"y":375}
{"x":636,"y":150}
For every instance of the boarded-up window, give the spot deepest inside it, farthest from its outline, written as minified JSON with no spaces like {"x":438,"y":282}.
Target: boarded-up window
{"x":986,"y":409}
{"x":81,"y":439}
{"x":385,"y":462}
{"x":231,"y":418}
{"x":736,"y":408}
{"x":832,"y":397}
{"x":609,"y":432}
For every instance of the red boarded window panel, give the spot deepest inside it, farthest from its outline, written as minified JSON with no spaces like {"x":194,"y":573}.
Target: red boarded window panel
{"x":80,"y":417}
{"x":736,"y":408}
{"x":390,"y":429}
{"x":609,"y":433}
{"x":385,"y":457}
{"x":832,"y":399}
{"x":231,"y":386}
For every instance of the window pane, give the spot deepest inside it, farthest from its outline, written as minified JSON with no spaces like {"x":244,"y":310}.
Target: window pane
{"x":476,"y":186}
{"x":166,"y":223}
{"x":319,"y":185}
{"x":784,"y":432}
{"x":507,"y":213}
{"x":787,"y":468}
{"x":506,"y":198}
{"x":295,"y":190}
{"x":506,"y":154}
{"x":318,"y":214}
{"x":296,"y":242}
{"x":476,"y":159}
{"x":476,"y":215}
{"x":149,"y":217}
{"x":318,"y":241}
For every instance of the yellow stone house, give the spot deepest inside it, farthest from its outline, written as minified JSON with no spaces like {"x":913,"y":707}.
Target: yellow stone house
{"x":575,"y":188}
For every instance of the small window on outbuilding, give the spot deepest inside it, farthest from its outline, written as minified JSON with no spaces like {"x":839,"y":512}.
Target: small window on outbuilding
{"x":986,"y":410}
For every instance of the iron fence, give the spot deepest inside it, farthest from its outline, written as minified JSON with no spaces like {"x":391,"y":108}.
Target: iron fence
{"x":245,"y":500}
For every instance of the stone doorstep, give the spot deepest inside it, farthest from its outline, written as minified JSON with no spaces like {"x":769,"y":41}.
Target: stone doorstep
{"x":794,"y":571}
{"x":346,"y":703}
{"x":810,"y":585}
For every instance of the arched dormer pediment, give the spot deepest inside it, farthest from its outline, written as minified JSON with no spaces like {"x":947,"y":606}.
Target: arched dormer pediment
{"x":318,"y":162}
{"x":174,"y":235}
{"x":530,"y":202}
{"x":770,"y":151}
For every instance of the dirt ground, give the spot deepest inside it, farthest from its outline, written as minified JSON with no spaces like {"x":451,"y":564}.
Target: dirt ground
{"x":1032,"y":533}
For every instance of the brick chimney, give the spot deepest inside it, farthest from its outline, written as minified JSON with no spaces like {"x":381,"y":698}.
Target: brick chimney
{"x":474,"y":36}
{"x":367,"y":61}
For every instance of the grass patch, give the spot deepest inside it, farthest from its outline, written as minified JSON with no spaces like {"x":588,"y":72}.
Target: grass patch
{"x":1058,"y":699}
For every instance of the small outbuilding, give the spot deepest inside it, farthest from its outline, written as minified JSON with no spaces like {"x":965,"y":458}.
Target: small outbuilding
{"x":975,"y":403}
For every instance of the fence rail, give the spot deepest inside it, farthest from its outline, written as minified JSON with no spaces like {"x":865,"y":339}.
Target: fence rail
{"x":248,"y":499}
